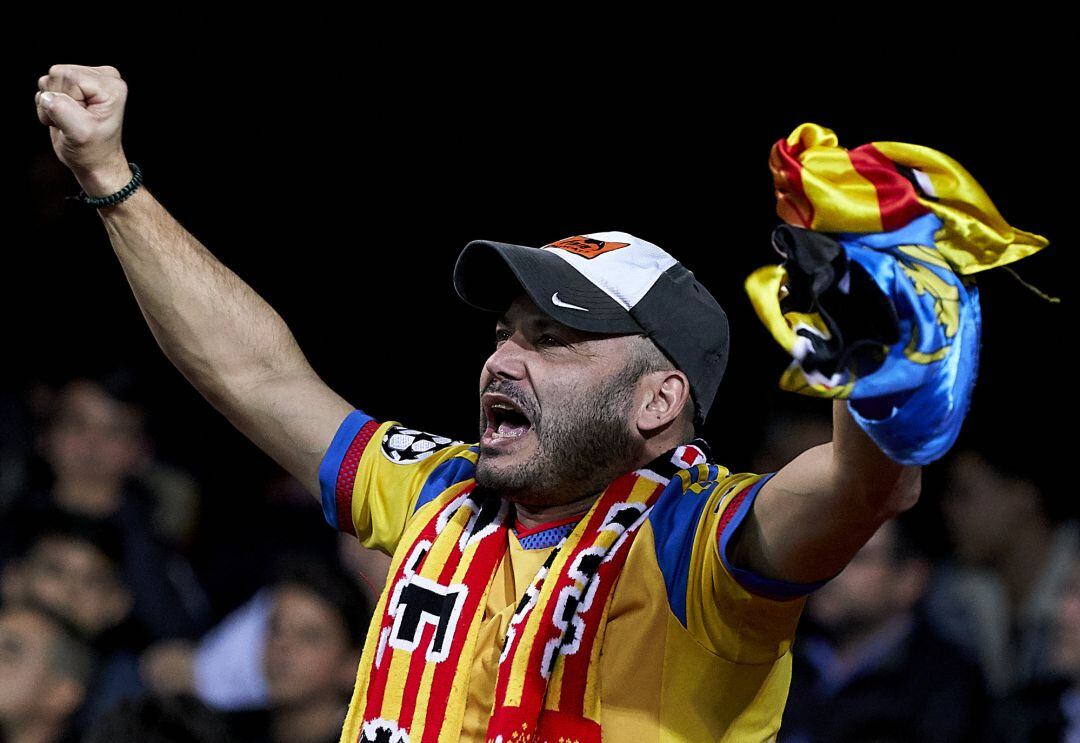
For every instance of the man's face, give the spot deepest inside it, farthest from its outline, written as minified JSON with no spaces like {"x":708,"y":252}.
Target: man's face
{"x":93,"y":436}
{"x":308,"y":656}
{"x":25,"y":675}
{"x":73,"y":579}
{"x":556,"y":407}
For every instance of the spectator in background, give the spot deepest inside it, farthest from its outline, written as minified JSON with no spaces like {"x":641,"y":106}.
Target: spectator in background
{"x":311,"y":622}
{"x":224,"y":669}
{"x":44,"y":671}
{"x":1013,"y":550}
{"x":315,"y":636}
{"x":94,"y":445}
{"x":1049,"y":708}
{"x":70,"y":565}
{"x":866,"y":661}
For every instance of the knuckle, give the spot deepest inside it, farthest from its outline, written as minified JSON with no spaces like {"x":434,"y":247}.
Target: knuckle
{"x":60,"y":70}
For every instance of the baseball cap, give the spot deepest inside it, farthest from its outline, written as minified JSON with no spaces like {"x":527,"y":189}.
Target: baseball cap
{"x":607,"y":282}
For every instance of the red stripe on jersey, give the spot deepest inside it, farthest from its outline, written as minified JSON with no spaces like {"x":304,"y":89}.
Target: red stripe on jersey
{"x":732,"y":509}
{"x":347,"y":476}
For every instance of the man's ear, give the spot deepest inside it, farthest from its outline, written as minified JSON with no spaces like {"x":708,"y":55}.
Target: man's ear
{"x":665,"y":394}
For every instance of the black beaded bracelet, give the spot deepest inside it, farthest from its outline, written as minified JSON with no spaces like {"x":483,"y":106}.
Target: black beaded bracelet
{"x":115,"y":198}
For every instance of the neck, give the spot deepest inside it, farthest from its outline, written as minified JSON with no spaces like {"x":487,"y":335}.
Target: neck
{"x":532,"y":516}
{"x":88,"y":497}
{"x":307,"y":723}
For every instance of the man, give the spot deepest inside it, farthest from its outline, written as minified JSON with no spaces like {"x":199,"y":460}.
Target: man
{"x":316,"y":630}
{"x":1048,"y":708}
{"x":44,"y":670}
{"x":1014,"y":547}
{"x":695,"y":637}
{"x":95,"y":446}
{"x":71,"y":566}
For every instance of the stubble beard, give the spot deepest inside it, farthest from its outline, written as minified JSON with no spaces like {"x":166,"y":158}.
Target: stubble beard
{"x":582,"y":446}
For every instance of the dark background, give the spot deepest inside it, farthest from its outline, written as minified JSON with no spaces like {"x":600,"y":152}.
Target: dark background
{"x":342,"y":193}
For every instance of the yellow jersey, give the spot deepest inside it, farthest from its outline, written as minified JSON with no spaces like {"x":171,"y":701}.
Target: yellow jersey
{"x":694,"y":649}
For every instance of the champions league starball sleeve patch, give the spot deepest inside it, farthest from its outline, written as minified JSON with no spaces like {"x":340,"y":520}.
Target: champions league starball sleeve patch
{"x":876,"y":299}
{"x":405,"y":445}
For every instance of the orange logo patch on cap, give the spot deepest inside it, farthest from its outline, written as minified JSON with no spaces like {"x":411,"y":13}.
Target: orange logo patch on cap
{"x":586,"y":247}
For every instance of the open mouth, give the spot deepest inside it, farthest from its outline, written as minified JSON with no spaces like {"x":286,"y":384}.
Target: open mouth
{"x":505,"y":420}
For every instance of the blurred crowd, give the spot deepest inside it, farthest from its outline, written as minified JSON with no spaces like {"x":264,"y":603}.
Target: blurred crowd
{"x":958,"y":621}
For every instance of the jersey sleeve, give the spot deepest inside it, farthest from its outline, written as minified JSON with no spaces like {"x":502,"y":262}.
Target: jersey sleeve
{"x":736,"y":614}
{"x":374,"y":477}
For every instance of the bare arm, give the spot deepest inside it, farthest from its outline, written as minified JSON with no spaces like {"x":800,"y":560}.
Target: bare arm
{"x":221,"y":335}
{"x":813,"y":515}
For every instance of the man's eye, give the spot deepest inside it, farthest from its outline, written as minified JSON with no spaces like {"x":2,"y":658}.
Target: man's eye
{"x":548,"y":340}
{"x":501,"y":335}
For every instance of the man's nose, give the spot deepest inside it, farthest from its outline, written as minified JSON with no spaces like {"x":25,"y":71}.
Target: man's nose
{"x":507,"y":361}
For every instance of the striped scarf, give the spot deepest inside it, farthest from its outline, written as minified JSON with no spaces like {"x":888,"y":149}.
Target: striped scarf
{"x":428,"y":619}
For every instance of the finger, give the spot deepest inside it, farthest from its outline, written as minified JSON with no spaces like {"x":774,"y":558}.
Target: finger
{"x":76,"y":81}
{"x":42,"y":114}
{"x":66,"y":114}
{"x":108,"y":71}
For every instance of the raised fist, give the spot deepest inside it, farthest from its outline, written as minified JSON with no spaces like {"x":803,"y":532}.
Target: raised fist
{"x":84,"y":110}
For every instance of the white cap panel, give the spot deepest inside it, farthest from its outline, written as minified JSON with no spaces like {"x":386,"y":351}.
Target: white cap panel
{"x":624,"y":273}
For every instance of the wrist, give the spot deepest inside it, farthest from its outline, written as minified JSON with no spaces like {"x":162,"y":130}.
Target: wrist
{"x":106,"y":180}
{"x":116,"y":197}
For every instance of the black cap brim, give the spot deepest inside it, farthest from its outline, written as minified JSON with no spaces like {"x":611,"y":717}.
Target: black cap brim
{"x":490,"y":275}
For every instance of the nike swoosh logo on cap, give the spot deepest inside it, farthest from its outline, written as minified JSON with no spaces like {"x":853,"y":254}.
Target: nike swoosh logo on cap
{"x":559,"y":303}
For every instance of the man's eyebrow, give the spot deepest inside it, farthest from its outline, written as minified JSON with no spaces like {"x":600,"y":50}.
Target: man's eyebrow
{"x":536,"y":322}
{"x":545,"y":324}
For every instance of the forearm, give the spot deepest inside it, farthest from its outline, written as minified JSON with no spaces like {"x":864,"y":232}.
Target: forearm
{"x":863,"y":472}
{"x":221,"y":335}
{"x":816,"y":512}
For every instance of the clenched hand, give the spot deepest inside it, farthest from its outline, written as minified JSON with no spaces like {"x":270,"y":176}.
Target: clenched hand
{"x":84,"y":110}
